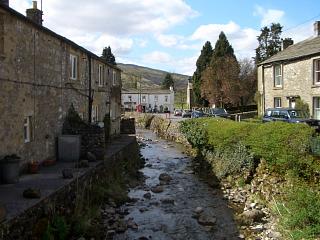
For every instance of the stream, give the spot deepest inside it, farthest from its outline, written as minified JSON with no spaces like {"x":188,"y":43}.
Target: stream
{"x":179,"y":205}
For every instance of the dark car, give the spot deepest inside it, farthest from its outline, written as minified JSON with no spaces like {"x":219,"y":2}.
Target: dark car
{"x":177,"y":112}
{"x":186,"y":113}
{"x":197,"y":114}
{"x":219,"y":112}
{"x":290,"y":115}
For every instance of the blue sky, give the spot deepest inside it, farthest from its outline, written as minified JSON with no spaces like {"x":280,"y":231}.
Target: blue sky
{"x":169,"y":34}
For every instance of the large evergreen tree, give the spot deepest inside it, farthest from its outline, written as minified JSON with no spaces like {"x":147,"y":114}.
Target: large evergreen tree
{"x":220,"y":80}
{"x":269,"y":42}
{"x":108,"y":55}
{"x":202,"y":62}
{"x":167,"y":81}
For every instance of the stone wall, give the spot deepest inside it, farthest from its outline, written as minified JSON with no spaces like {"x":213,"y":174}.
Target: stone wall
{"x":35,"y":82}
{"x":64,"y":201}
{"x":128,"y":126}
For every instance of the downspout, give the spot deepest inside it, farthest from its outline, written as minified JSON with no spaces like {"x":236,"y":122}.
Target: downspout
{"x":90,"y":99}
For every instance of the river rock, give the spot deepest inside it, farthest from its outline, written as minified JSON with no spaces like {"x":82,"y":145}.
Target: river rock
{"x":32,"y":193}
{"x":167,"y":201}
{"x":250,"y":216}
{"x":198,"y":210}
{"x":131,"y":224}
{"x":147,"y":195}
{"x":206,"y":220}
{"x":157,"y":189}
{"x":165,"y":177}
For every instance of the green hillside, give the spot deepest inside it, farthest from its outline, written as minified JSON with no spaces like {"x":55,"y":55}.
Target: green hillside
{"x":150,"y":78}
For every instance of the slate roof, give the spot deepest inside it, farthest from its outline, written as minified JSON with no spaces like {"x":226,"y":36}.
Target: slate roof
{"x":308,"y":47}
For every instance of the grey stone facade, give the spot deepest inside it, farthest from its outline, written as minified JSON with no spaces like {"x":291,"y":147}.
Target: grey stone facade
{"x":36,"y":85}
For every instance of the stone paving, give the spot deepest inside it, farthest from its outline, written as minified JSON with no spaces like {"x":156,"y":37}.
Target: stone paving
{"x":49,"y":180}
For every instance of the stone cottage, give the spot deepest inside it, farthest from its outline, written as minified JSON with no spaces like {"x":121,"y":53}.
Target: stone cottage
{"x":41,"y":75}
{"x":292,"y":73}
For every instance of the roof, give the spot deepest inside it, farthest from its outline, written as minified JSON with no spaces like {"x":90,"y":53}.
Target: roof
{"x":53,"y":34}
{"x":146,"y":91}
{"x":308,"y":47}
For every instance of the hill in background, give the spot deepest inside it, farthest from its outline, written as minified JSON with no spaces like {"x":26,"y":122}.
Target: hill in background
{"x":150,"y":78}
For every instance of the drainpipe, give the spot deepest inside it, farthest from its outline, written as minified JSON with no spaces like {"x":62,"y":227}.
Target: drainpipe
{"x":263,"y":91}
{"x":90,"y":98}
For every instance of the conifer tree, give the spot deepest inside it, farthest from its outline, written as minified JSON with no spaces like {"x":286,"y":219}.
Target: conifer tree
{"x":202,"y":62}
{"x":108,"y":55}
{"x":167,"y":82}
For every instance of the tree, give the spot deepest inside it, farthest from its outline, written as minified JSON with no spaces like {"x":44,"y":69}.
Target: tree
{"x":248,"y":80}
{"x":220,"y":80}
{"x":202,"y":63}
{"x":108,"y":56}
{"x":269,"y":42}
{"x":167,"y":81}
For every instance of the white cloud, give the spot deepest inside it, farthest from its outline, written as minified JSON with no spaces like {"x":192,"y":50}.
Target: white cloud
{"x":168,"y":40}
{"x":157,"y":57}
{"x":268,"y":15}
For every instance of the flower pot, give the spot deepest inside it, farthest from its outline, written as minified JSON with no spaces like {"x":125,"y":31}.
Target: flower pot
{"x":10,"y":169}
{"x":48,"y":162}
{"x":33,"y":167}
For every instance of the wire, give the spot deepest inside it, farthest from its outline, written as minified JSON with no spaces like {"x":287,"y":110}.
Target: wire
{"x":290,"y":28}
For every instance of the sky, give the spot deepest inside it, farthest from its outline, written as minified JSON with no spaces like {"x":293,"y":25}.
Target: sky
{"x":169,"y":34}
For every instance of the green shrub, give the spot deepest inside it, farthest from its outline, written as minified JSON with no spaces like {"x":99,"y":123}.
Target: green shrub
{"x":280,"y":144}
{"x":299,"y":214}
{"x":196,"y":133}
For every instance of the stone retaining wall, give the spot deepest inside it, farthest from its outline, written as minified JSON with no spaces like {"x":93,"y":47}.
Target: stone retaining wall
{"x":63,"y":201}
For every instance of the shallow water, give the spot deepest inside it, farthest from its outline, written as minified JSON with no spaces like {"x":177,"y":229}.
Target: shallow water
{"x":173,"y":218}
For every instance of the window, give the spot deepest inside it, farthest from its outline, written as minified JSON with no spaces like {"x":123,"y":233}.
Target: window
{"x":316,"y":71}
{"x":166,"y":98}
{"x":95,"y":113}
{"x":27,"y":129}
{"x":277,"y":75}
{"x":100,"y":74}
{"x":316,"y":108}
{"x":144,"y":99}
{"x":114,"y":78}
{"x":156,"y":98}
{"x":277,"y":102}
{"x":1,"y":34}
{"x":130,"y":98}
{"x":73,"y":67}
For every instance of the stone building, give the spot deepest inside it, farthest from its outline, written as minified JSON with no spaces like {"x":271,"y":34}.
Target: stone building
{"x":41,"y":75}
{"x":292,"y":73}
{"x":150,"y":99}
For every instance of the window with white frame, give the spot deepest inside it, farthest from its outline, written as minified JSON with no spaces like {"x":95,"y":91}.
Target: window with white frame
{"x":316,"y":71}
{"x":316,"y":108}
{"x":95,"y":113}
{"x":114,"y":78}
{"x":277,"y":102}
{"x":130,"y":98}
{"x":73,"y":67}
{"x":27,"y":129}
{"x":156,"y":98}
{"x":144,"y":99}
{"x":277,"y":73}
{"x":166,"y":98}
{"x":101,"y":76}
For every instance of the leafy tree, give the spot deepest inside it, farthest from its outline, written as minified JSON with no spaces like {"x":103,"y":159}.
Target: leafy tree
{"x":220,"y":80}
{"x":269,"y":42}
{"x":167,"y":81}
{"x":108,"y":55}
{"x":248,"y":80}
{"x":202,"y":62}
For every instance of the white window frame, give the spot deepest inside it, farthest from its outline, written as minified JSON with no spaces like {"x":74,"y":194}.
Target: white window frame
{"x":95,"y":113}
{"x":114,"y":78}
{"x":315,"y":108}
{"x":144,"y":99}
{"x":130,"y":98}
{"x":279,"y":76}
{"x":316,"y":72}
{"x":156,"y":99}
{"x":277,"y":101}
{"x":27,"y":129}
{"x":166,"y":98}
{"x":73,"y":67}
{"x":100,"y":76}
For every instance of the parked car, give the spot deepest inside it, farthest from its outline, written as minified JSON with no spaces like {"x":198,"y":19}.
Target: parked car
{"x":219,"y":112}
{"x":197,"y":114}
{"x":186,"y":113}
{"x":177,"y":112}
{"x":290,"y":115}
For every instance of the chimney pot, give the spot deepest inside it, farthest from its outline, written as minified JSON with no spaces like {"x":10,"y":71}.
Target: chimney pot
{"x":34,"y":5}
{"x":317,"y":28}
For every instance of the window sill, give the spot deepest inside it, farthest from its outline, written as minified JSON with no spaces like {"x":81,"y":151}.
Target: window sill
{"x":277,"y":88}
{"x":315,"y":86}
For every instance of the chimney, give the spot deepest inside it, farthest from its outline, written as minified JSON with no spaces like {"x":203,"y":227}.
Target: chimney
{"x":5,"y":2}
{"x":317,"y":28}
{"x":34,"y":13}
{"x":286,"y":43}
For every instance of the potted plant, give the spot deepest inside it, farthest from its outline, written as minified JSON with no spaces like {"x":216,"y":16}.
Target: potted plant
{"x":33,"y":167}
{"x":10,"y":168}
